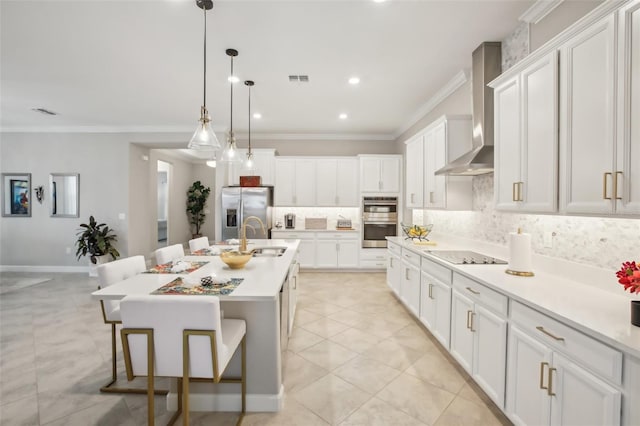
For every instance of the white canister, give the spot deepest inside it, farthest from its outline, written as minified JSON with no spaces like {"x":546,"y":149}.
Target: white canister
{"x":520,"y":254}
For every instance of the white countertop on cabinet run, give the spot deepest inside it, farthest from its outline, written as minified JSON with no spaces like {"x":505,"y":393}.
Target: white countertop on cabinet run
{"x":316,"y":230}
{"x":263,"y":276}
{"x":604,"y":315}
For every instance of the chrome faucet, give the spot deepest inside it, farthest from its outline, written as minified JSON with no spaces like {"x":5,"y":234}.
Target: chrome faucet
{"x":243,"y":232}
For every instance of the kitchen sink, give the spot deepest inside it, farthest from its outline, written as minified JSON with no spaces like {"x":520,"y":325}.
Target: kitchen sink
{"x":269,"y":251}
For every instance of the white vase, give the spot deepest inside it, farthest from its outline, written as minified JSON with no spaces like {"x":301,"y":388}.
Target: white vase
{"x":93,"y":269}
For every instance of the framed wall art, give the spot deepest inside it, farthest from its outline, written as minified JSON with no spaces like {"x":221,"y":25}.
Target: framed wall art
{"x":16,"y":194}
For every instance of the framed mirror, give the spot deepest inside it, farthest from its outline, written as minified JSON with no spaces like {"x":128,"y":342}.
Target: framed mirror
{"x":16,"y":194}
{"x":65,"y":194}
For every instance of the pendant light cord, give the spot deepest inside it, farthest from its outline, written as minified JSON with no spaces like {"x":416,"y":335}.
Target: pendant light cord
{"x":231,"y":81}
{"x":249,"y":119}
{"x":204,"y":94}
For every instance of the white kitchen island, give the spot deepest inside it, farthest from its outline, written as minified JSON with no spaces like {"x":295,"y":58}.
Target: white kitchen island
{"x":257,"y":300}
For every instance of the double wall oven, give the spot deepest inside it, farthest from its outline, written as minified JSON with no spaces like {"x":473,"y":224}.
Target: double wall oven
{"x":379,"y":220}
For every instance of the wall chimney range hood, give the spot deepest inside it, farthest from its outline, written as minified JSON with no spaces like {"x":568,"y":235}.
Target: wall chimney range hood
{"x":486,"y":66}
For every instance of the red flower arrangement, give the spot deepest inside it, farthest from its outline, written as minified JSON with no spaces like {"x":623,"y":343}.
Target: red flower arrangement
{"x":629,"y":276}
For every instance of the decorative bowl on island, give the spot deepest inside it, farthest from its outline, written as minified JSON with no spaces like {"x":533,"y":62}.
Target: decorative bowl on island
{"x":236,"y":259}
{"x":416,"y":232}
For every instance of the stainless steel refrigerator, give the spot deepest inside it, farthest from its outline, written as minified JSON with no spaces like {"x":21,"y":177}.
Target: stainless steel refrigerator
{"x":239,"y":203}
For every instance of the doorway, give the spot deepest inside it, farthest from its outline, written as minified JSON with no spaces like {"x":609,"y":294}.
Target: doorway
{"x":164,"y":176}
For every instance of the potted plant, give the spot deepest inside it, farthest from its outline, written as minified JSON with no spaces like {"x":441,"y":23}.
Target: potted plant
{"x":196,"y":200}
{"x":96,"y":240}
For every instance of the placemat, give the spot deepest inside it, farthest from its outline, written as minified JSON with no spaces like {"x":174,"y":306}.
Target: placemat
{"x":205,"y":252}
{"x":165,"y":268}
{"x":176,"y":287}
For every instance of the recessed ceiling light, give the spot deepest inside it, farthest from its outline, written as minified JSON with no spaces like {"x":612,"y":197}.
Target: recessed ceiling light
{"x":233,"y":79}
{"x":378,"y":1}
{"x":257,"y":115}
{"x":343,"y":116}
{"x":354,"y":80}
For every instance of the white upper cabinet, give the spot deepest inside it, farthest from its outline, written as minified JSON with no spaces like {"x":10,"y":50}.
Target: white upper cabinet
{"x":380,"y":173}
{"x":264,"y":161}
{"x":627,"y":172}
{"x":295,"y":182}
{"x":337,"y":182}
{"x":587,"y":132}
{"x":526,"y":141}
{"x":414,"y":172}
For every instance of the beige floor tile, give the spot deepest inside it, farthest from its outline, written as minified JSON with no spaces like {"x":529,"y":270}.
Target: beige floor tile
{"x":393,"y":354}
{"x":298,"y":373}
{"x":109,"y":413}
{"x":17,"y":384}
{"x":419,"y":399}
{"x":355,"y":340}
{"x":332,"y":398}
{"x":367,"y":374}
{"x":303,"y":316}
{"x":20,"y":412}
{"x":328,"y":355}
{"x":325,"y":327}
{"x":463,"y":412}
{"x":348,"y":317}
{"x":415,"y":337}
{"x":323,"y":308}
{"x":301,"y":339}
{"x":376,"y":412}
{"x":293,"y":413}
{"x":437,"y":370}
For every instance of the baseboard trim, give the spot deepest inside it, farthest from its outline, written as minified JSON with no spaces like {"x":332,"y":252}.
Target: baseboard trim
{"x":229,"y":402}
{"x":33,"y":268}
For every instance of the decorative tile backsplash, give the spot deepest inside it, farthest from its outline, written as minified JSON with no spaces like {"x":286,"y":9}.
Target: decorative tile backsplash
{"x":596,"y":241}
{"x":332,"y":214}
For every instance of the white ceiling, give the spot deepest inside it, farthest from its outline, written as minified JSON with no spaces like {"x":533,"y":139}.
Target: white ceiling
{"x":137,"y":65}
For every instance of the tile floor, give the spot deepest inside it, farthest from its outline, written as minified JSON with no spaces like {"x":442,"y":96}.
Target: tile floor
{"x":356,"y":357}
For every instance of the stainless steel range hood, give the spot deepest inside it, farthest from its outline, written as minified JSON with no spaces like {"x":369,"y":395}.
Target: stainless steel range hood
{"x":486,"y":65}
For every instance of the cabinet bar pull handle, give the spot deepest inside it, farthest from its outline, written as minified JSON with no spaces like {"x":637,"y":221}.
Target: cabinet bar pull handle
{"x":412,"y":194}
{"x":513,"y":191}
{"x":542,"y":364}
{"x":295,"y":282}
{"x":541,"y":328}
{"x":520,"y":198}
{"x":469,"y":320}
{"x":430,"y":291}
{"x":472,"y":290}
{"x":471,"y":326}
{"x":431,"y":197}
{"x":604,"y":185}
{"x":615,"y":186}
{"x":391,"y":262}
{"x":406,"y":273}
{"x":550,"y":391}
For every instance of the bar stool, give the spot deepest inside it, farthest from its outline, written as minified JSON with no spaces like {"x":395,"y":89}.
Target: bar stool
{"x":169,"y":254}
{"x":156,"y":327}
{"x":198,"y":244}
{"x":108,"y":274}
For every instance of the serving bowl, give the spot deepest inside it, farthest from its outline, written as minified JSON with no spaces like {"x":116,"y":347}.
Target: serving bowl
{"x":416,"y":232}
{"x":236,"y":259}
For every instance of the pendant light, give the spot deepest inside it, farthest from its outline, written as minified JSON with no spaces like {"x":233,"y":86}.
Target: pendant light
{"x":204,"y":138}
{"x":212,"y":161}
{"x":249,"y":163}
{"x":230,"y":152}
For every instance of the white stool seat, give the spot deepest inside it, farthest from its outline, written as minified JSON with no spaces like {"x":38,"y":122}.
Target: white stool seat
{"x":169,"y":254}
{"x":198,"y":244}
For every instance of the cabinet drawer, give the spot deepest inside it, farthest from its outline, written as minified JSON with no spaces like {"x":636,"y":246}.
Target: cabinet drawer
{"x":394,"y":248}
{"x":440,"y":272}
{"x":337,"y":235}
{"x":374,"y":264}
{"x":593,"y":354}
{"x":411,"y":257}
{"x":497,"y":302}
{"x":286,"y":235}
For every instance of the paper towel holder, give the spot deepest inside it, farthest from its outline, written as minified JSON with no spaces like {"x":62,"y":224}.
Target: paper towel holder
{"x":519,"y":273}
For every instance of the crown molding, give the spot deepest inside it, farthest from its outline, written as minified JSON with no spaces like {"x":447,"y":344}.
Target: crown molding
{"x":539,"y":10}
{"x":319,"y":136}
{"x":451,"y":86}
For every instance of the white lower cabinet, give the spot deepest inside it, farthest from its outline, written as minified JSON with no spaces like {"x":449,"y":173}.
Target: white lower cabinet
{"x":479,"y":334}
{"x":553,"y":374}
{"x":394,"y":273}
{"x":410,"y":284}
{"x":435,"y":300}
{"x":306,"y":249}
{"x":336,"y":253}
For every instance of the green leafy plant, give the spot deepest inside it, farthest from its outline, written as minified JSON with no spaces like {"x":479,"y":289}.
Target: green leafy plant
{"x":196,"y":200}
{"x":96,"y":239}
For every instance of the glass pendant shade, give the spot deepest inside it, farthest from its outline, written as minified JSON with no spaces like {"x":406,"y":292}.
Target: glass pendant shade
{"x":204,"y":138}
{"x":249,"y":164}
{"x":230,"y":153}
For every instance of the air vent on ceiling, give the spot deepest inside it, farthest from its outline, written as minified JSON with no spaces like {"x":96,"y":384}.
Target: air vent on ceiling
{"x":44,"y":111}
{"x":299,"y":78}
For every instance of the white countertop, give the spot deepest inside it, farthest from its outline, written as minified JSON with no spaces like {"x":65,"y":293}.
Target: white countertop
{"x":605,"y":315}
{"x":315,"y":230}
{"x":263,"y":276}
